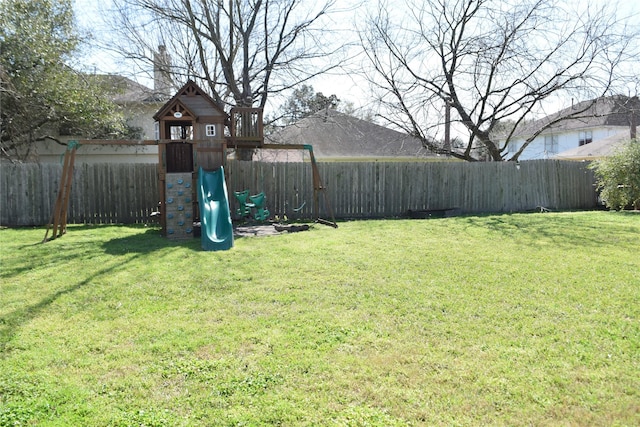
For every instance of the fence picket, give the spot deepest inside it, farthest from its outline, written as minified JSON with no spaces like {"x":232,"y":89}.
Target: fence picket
{"x":128,"y":193}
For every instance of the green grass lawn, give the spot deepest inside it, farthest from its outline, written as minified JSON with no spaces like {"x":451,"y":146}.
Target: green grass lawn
{"x":524,"y":319}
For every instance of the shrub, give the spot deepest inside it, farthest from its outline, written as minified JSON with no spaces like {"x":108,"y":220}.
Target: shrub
{"x":618,"y":177}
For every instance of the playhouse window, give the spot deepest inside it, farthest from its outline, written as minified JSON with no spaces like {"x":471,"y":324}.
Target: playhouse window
{"x":157,"y":130}
{"x":181,"y":132}
{"x":210,"y":130}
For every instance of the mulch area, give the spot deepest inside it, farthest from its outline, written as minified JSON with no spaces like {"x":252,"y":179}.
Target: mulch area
{"x":259,"y":230}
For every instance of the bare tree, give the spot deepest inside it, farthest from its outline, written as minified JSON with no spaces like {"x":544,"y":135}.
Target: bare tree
{"x":490,"y":62}
{"x":242,"y":50}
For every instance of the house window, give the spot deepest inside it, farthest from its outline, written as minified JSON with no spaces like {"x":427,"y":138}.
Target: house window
{"x":513,"y":147}
{"x":210,"y":130}
{"x":551,"y":144}
{"x":585,"y":137}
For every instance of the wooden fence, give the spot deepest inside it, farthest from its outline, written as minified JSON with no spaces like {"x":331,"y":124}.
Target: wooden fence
{"x":100,"y":193}
{"x":128,"y":193}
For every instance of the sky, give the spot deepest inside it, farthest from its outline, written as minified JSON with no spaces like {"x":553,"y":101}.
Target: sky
{"x":90,"y":15}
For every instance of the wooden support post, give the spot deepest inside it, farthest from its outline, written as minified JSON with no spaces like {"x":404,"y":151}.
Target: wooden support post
{"x":317,"y":181}
{"x":319,"y":187}
{"x":67,"y":192}
{"x":58,"y":221}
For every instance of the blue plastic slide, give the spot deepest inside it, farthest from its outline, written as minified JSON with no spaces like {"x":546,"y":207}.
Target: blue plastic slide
{"x":215,"y":218}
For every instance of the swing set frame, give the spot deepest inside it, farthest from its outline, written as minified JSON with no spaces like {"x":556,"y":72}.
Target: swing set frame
{"x":191,"y":108}
{"x":58,"y":221}
{"x":318,"y":186}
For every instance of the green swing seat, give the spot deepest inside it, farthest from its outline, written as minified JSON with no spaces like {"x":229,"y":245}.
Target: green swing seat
{"x":258,"y":203}
{"x":245,"y":208}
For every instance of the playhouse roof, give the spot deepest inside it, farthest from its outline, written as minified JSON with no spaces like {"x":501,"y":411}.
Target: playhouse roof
{"x":195,"y":100}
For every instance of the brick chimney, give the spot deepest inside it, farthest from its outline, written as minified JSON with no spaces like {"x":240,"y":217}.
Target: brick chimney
{"x":162,"y":73}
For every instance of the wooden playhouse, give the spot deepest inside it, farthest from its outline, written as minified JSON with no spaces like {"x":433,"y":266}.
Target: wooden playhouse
{"x":193,"y":132}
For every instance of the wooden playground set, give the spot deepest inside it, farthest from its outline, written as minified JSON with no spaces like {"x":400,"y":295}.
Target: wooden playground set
{"x":193,"y":136}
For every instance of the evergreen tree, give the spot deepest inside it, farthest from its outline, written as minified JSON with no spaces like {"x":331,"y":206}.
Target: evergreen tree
{"x":41,"y":95}
{"x":304,"y":102}
{"x":618,"y":177}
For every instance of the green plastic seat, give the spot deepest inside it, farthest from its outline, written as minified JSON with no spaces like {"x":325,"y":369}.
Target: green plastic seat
{"x":258,"y":203}
{"x":245,"y":208}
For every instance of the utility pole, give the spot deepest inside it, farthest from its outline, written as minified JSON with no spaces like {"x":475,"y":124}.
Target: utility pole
{"x":447,"y":125}
{"x":634,"y":118}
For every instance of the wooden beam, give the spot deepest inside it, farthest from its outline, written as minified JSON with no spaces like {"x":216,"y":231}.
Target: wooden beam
{"x":118,"y":142}
{"x":134,"y":142}
{"x":286,"y":146}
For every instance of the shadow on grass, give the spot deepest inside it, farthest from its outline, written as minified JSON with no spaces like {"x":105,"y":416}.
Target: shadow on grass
{"x":36,"y":256}
{"x":49,"y":255}
{"x":146,"y":242}
{"x":13,"y":321}
{"x":563,"y":230}
{"x":62,"y":250}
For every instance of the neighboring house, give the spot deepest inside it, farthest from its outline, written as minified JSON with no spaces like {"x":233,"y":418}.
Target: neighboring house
{"x":597,"y":149}
{"x":609,"y":118}
{"x":139,"y":103}
{"x":338,"y":136}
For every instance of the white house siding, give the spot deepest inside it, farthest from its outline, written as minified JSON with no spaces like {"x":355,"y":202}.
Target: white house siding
{"x":51,"y":152}
{"x":566,"y":141}
{"x":141,"y":116}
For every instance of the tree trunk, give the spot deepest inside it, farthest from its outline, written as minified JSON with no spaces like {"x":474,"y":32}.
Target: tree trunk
{"x":245,"y":154}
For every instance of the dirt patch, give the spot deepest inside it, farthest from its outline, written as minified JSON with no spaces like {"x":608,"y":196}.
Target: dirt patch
{"x":259,"y":230}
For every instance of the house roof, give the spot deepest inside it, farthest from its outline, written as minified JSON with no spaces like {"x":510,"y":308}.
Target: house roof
{"x":337,"y":135}
{"x":597,"y":149}
{"x":196,"y":100}
{"x":124,"y":90}
{"x":610,"y":111}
